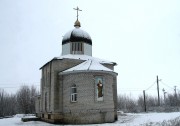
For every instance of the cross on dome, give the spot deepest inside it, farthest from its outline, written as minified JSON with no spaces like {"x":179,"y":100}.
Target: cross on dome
{"x":77,"y":23}
{"x":77,"y":9}
{"x":77,"y":41}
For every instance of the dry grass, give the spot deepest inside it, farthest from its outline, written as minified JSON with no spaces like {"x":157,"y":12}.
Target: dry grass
{"x":173,"y":122}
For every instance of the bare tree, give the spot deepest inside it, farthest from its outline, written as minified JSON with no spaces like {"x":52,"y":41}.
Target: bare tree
{"x":140,"y":102}
{"x":2,"y":102}
{"x":126,"y":103}
{"x":171,"y":100}
{"x":26,"y":99}
{"x":33,"y":94}
{"x":7,"y":104}
{"x":23,"y":99}
{"x":21,"y":102}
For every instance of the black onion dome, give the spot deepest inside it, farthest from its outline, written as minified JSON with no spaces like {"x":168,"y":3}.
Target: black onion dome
{"x":77,"y":35}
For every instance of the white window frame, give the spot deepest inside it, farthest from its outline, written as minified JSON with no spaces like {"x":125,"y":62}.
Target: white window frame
{"x":73,"y":94}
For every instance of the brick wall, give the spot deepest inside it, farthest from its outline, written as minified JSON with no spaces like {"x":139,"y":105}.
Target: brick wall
{"x":87,"y":105}
{"x":50,"y":83}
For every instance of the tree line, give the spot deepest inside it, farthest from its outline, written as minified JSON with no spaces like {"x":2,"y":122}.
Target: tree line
{"x":169,"y":103}
{"x":23,"y":101}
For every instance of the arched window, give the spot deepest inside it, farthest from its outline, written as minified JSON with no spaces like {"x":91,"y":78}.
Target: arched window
{"x":73,"y":93}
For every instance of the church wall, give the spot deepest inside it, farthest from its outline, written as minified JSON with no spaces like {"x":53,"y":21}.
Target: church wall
{"x":50,"y":86}
{"x":87,"y":49}
{"x":66,"y":49}
{"x":60,"y":95}
{"x":46,"y":88}
{"x":115,"y":96}
{"x":37,"y":104}
{"x":87,"y":109}
{"x":57,"y":66}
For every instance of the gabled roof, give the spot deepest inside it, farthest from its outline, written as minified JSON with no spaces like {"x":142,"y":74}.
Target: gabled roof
{"x":90,"y":64}
{"x":81,"y":57}
{"x":85,"y":57}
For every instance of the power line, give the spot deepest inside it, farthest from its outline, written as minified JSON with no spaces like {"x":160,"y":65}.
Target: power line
{"x":13,"y":83}
{"x":150,"y":86}
{"x":37,"y":85}
{"x":167,"y":85}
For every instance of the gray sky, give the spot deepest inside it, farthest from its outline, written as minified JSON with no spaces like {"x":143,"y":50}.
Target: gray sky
{"x":142,"y":36}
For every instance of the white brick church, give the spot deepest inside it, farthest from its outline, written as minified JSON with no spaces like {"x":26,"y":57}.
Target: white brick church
{"x":77,"y":88}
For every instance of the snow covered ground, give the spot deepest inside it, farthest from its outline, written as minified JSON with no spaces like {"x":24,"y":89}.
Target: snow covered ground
{"x":127,"y":119}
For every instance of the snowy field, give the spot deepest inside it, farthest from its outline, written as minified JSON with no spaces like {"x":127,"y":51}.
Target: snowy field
{"x":128,"y":119}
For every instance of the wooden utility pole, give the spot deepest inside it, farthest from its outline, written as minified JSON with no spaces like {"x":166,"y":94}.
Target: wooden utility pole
{"x":175,"y":90}
{"x":164,"y":95}
{"x":144,"y":100}
{"x":158,"y":91}
{"x":175,"y":94}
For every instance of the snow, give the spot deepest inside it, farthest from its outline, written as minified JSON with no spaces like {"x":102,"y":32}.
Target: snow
{"x":67,"y":35}
{"x":88,"y":66}
{"x":84,"y":57}
{"x":76,"y":32}
{"x":80,"y":33}
{"x":129,"y":119}
{"x":16,"y":121}
{"x":95,"y":62}
{"x":24,"y":115}
{"x":143,"y":118}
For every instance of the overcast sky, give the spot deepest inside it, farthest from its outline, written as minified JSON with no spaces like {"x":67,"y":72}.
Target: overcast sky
{"x":141,"y":36}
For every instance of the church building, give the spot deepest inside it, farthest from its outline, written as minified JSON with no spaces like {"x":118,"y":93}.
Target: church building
{"x":77,"y":88}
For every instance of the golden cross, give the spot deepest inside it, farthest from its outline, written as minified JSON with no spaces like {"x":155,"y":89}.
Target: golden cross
{"x":77,"y":11}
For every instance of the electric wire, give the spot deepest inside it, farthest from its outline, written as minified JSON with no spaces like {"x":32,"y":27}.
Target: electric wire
{"x":167,"y":85}
{"x":150,"y":86}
